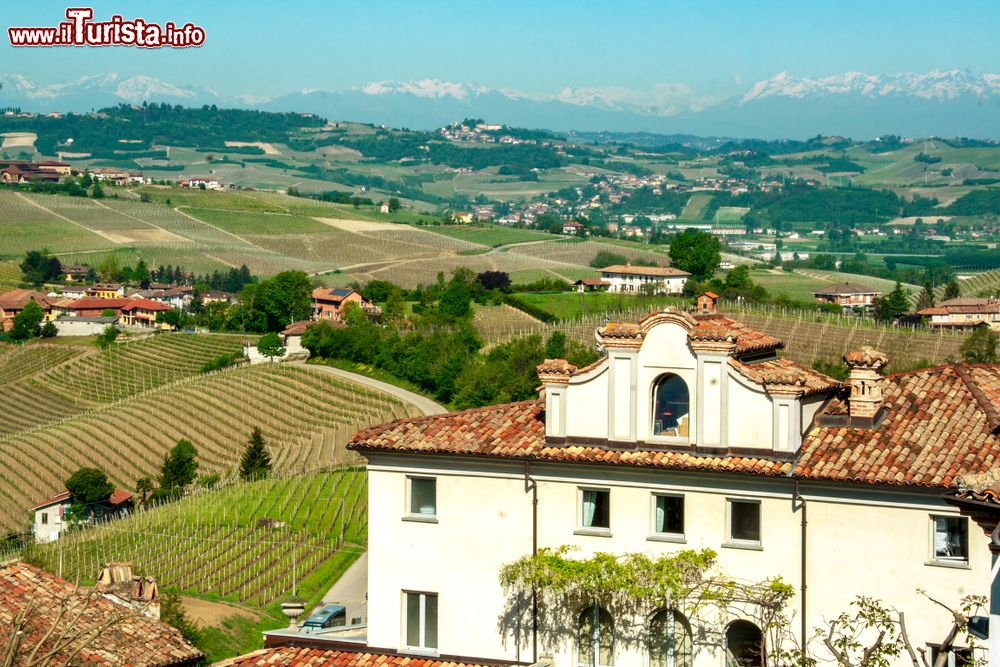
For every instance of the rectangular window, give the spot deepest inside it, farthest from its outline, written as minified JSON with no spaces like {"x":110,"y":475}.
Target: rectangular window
{"x":45,"y":517}
{"x":423,"y":496}
{"x":950,"y":539}
{"x":744,"y":521}
{"x":668,"y":515}
{"x":595,"y":509}
{"x":422,"y":620}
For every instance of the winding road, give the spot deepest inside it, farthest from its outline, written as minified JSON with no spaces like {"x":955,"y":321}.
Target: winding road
{"x":422,"y":403}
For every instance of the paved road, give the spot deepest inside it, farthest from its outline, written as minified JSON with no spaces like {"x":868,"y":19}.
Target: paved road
{"x":351,"y":590}
{"x":422,"y":403}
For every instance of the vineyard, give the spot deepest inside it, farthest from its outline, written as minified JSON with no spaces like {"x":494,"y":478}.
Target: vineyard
{"x":981,"y":284}
{"x":247,"y":542}
{"x":305,"y":416}
{"x":583,"y":253}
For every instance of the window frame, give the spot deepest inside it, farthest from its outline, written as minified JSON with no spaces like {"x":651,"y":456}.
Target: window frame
{"x":934,"y":558}
{"x":581,"y":528}
{"x":595,"y":638}
{"x":663,"y":438}
{"x":410,"y":514}
{"x":422,"y":597}
{"x":734,"y":542}
{"x":678,"y":618}
{"x":656,"y":535}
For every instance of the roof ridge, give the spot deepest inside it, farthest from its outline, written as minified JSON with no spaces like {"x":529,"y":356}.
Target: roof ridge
{"x":990,"y":410}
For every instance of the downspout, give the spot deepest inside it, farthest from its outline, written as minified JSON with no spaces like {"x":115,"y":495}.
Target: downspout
{"x":530,"y":483}
{"x":803,"y":625}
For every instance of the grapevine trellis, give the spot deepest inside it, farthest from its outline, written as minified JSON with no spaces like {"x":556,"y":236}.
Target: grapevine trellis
{"x":250,"y":542}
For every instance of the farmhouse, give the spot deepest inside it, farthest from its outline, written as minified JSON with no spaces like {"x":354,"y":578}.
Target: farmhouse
{"x":964,"y":312}
{"x":689,"y":433}
{"x":74,"y":272}
{"x":13,"y":302}
{"x":49,"y":514}
{"x":636,"y":279}
{"x":131,"y":311}
{"x":105,"y":291}
{"x":19,"y":171}
{"x":591,"y":285}
{"x":329,"y":302}
{"x":78,"y":625}
{"x":199,"y":182}
{"x":847,"y":295}
{"x":572,"y":228}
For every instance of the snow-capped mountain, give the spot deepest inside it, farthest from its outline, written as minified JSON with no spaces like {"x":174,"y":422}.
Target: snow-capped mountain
{"x":942,"y":102}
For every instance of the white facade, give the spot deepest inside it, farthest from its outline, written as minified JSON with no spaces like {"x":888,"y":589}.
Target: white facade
{"x":442,"y":526}
{"x":635,"y":281}
{"x":48,"y":521}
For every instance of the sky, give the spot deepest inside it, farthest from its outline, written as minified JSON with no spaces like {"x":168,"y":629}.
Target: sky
{"x":702,"y":49}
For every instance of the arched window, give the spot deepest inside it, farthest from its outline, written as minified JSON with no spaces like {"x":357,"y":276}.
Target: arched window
{"x":671,"y":407}
{"x":595,"y":638}
{"x":744,"y":645}
{"x":669,"y":639}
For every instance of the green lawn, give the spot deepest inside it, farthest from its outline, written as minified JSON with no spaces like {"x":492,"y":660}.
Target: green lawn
{"x":489,"y":235}
{"x":796,"y":286}
{"x":572,"y":305}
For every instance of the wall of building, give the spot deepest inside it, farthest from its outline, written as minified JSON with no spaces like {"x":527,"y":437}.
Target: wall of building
{"x":874,"y":542}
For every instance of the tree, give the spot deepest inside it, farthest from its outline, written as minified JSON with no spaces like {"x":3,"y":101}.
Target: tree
{"x":26,"y":323}
{"x":739,"y":277}
{"x":980,"y":347}
{"x":89,"y":485}
{"x":394,"y":204}
{"x":696,"y":252}
{"x":605,"y":258}
{"x":109,"y":269}
{"x":273,"y":304}
{"x":39,"y":267}
{"x":48,"y":330}
{"x":143,"y":488}
{"x":926,"y":297}
{"x":395,"y":306}
{"x":455,"y":301}
{"x":140,"y":274}
{"x":107,"y":337}
{"x":951,"y":289}
{"x":172,"y":613}
{"x":491,"y":280}
{"x":892,"y":305}
{"x":97,"y":192}
{"x":179,"y":466}
{"x":270,"y":346}
{"x":256,"y":462}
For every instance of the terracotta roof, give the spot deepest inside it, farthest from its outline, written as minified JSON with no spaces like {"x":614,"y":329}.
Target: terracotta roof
{"x":787,"y":373}
{"x":290,"y":656}
{"x":16,"y":299}
{"x":963,"y":306}
{"x":939,"y":424}
{"x":711,"y":295}
{"x":118,"y":496}
{"x":747,"y":339}
{"x":109,"y":634}
{"x":661,"y":271}
{"x":123,"y":304}
{"x":592,"y":282}
{"x":846,"y":288}
{"x":517,"y":431}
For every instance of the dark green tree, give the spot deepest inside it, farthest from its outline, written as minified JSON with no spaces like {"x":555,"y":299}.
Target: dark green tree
{"x":140,"y":274}
{"x":89,"y":485}
{"x":455,"y":301}
{"x":255,"y":462}
{"x":26,"y":323}
{"x":394,"y":204}
{"x":980,"y":347}
{"x":696,"y":252}
{"x":926,"y":297}
{"x":180,"y":466}
{"x":47,"y":330}
{"x":39,"y":267}
{"x":107,"y":337}
{"x":892,"y":305}
{"x":951,"y":289}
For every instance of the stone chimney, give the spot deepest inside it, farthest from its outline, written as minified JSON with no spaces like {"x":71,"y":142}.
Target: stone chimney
{"x":866,"y":364}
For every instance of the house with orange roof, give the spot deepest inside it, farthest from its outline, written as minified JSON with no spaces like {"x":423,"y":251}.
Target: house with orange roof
{"x":13,"y":302}
{"x":49,"y":514}
{"x":691,"y":431}
{"x":58,"y":622}
{"x":964,"y":313}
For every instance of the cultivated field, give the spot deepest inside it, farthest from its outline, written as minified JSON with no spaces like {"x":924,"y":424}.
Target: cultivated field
{"x":306,"y":417}
{"x":248,"y":543}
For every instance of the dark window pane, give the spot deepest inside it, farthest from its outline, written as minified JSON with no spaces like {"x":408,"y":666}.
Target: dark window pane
{"x":669,"y":515}
{"x":595,"y":510}
{"x":670,"y":407}
{"x":744,"y":520}
{"x":951,"y":538}
{"x":430,"y":621}
{"x":413,"y":619}
{"x":423,"y":496}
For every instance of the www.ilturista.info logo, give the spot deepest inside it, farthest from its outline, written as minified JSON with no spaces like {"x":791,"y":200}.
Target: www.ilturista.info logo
{"x":80,"y":30}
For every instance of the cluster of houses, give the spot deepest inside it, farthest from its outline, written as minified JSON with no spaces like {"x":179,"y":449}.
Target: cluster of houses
{"x":19,"y":171}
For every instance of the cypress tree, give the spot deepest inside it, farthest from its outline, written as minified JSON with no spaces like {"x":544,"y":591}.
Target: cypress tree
{"x":255,"y":462}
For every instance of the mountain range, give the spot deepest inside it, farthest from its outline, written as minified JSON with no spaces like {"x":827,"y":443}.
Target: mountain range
{"x":941,"y":102}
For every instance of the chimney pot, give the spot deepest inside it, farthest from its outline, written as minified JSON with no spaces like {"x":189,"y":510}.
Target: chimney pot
{"x":866,"y":364}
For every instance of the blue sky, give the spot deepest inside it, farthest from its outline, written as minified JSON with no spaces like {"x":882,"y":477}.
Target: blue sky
{"x":712,"y":48}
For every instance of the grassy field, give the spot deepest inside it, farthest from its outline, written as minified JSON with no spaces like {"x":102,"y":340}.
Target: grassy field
{"x":695,"y":206}
{"x":574,"y":305}
{"x":306,"y":417}
{"x":489,"y":235}
{"x":796,"y":286}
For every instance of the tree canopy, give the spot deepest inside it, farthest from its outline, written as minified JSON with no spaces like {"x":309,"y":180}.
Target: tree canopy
{"x":89,"y":485}
{"x":696,"y":252}
{"x":180,"y":466}
{"x":256,"y":461}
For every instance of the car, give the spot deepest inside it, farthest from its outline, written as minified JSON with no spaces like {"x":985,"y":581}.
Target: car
{"x":330,"y":616}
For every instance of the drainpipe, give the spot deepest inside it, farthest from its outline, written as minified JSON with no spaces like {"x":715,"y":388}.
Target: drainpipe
{"x":803,"y":624}
{"x":530,"y":483}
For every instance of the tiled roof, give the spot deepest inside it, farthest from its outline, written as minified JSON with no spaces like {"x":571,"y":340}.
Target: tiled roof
{"x":118,"y":496}
{"x":297,"y":328}
{"x":290,"y":656}
{"x":661,"y":271}
{"x":747,"y":339}
{"x":786,"y":372}
{"x":102,"y":632}
{"x":123,"y":304}
{"x":846,"y":288}
{"x":963,"y":306}
{"x":939,"y":424}
{"x":15,"y":299}
{"x":517,"y":431}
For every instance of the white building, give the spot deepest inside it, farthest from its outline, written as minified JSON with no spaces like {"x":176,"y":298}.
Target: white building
{"x":49,"y":515}
{"x":689,"y":433}
{"x":636,"y":279}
